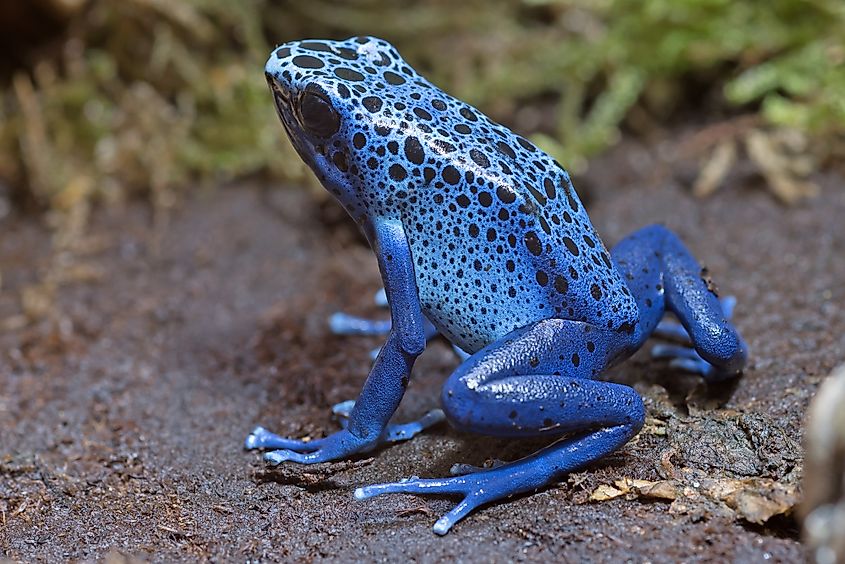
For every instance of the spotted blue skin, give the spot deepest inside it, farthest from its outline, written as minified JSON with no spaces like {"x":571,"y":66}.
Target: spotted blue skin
{"x":481,"y":235}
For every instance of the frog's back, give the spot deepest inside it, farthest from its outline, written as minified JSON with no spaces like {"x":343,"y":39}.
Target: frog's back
{"x":499,"y":235}
{"x":497,"y":232}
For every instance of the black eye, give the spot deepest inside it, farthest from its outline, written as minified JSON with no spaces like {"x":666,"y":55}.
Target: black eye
{"x":317,"y":115}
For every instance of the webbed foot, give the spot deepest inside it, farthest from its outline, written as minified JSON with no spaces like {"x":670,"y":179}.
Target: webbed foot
{"x":477,"y":489}
{"x":338,"y":445}
{"x":341,"y":323}
{"x":683,"y":356}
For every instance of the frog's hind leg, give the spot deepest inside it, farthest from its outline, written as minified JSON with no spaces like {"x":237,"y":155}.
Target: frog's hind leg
{"x":514,"y":388}
{"x":663,"y":275}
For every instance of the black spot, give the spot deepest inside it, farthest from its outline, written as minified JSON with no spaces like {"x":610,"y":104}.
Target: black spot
{"x":438,"y":105}
{"x":282,"y":52}
{"x":591,"y":346}
{"x":348,"y":74}
{"x":393,"y":147}
{"x":463,"y":129}
{"x":626,"y":327}
{"x":315,"y":46}
{"x":505,"y":149}
{"x":590,"y":242}
{"x":595,"y":291}
{"x":527,"y":145}
{"x":532,"y":242}
{"x":397,"y":172}
{"x":505,"y":194}
{"x":550,"y":188}
{"x":561,"y":285}
{"x":479,"y":158}
{"x":576,"y":360}
{"x":414,"y":151}
{"x":485,"y":199}
{"x":343,"y":91}
{"x":512,"y":292}
{"x":372,"y":103}
{"x":451,"y":175}
{"x":442,"y":147}
{"x":359,"y":141}
{"x":570,"y":197}
{"x":393,"y":78}
{"x":512,"y":415}
{"x":339,"y":160}
{"x":347,"y":53}
{"x":571,"y":246}
{"x":308,"y":62}
{"x":463,"y":201}
{"x":491,"y":234}
{"x":421,"y":113}
{"x":473,"y":230}
{"x":468,"y":114}
{"x":542,"y":278}
{"x":541,"y":199}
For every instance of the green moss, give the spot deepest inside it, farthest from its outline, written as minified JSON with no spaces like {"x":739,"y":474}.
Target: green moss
{"x":153,"y":96}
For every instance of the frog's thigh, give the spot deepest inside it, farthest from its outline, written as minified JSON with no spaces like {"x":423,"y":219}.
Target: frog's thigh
{"x":537,"y":381}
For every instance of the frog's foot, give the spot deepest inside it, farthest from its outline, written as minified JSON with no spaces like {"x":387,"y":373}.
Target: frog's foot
{"x":395,"y":432}
{"x":674,"y":331}
{"x":521,"y":476}
{"x":342,"y":323}
{"x":684,"y":356}
{"x":338,"y":445}
{"x":477,"y":489}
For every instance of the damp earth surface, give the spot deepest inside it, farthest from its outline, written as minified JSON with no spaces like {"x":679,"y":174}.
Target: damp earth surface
{"x":125,"y":405}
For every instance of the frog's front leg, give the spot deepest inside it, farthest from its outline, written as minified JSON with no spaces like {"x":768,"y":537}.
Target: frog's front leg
{"x":535,"y":381}
{"x":390,"y":373}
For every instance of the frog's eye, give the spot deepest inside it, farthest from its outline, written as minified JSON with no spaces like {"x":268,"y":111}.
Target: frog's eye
{"x":317,"y":115}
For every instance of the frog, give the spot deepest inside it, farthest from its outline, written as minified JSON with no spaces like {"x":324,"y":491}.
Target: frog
{"x":481,"y":238}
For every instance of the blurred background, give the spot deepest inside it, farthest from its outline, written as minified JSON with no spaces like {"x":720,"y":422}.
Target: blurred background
{"x":102,"y":100}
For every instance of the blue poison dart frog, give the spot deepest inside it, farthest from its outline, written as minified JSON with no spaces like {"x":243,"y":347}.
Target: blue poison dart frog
{"x":480,"y":237}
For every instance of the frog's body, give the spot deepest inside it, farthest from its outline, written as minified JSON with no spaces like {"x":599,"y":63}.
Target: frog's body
{"x":482,"y":234}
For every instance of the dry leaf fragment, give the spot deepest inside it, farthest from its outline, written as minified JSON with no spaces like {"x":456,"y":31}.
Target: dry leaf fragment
{"x":605,"y":492}
{"x":781,"y":170}
{"x":755,"y":500}
{"x":715,"y":169}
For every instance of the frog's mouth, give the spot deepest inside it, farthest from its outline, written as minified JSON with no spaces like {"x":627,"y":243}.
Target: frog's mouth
{"x":316,"y":154}
{"x":284,"y":108}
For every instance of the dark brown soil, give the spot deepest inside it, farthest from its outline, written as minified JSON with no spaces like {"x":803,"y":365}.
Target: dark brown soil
{"x":123,"y":413}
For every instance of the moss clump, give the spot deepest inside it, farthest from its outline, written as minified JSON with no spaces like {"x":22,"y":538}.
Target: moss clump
{"x":149,"y":96}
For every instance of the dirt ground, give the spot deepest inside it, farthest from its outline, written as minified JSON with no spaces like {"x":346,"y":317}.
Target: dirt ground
{"x":124,"y":412}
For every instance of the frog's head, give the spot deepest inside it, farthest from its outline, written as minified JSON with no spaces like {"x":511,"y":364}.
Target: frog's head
{"x":322,"y":90}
